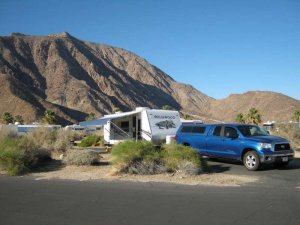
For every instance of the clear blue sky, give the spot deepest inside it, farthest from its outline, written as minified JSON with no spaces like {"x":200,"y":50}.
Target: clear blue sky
{"x":220,"y":47}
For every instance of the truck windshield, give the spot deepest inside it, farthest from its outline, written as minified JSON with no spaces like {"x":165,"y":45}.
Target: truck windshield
{"x":252,"y":130}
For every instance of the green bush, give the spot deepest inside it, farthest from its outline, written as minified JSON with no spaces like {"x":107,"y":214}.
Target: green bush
{"x":81,"y":157}
{"x":14,"y":162}
{"x":143,"y":158}
{"x":19,"y":154}
{"x":136,"y":157}
{"x":179,"y":157}
{"x":91,"y":140}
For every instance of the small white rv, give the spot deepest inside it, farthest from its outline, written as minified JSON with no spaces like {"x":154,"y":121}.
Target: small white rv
{"x":141,"y":124}
{"x":83,"y":129}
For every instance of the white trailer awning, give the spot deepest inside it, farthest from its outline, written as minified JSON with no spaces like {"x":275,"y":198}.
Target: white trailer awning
{"x":103,"y":120}
{"x":96,"y":122}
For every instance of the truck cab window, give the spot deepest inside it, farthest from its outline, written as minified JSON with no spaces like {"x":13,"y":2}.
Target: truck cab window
{"x":186,"y":129}
{"x":230,"y":132}
{"x":199,"y":130}
{"x":217,"y":131}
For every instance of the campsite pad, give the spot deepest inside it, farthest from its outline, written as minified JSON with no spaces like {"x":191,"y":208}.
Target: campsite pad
{"x":104,"y":171}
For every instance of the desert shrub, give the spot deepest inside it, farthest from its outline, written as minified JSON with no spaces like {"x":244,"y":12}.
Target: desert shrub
{"x":43,"y":137}
{"x":182,"y":158}
{"x":289,"y":131}
{"x":147,"y":167}
{"x":143,"y":158}
{"x":33,"y":152}
{"x":81,"y":157}
{"x":7,"y":132}
{"x":91,"y":140}
{"x":101,"y":141}
{"x":139,"y":157}
{"x":64,"y":139}
{"x":54,"y":140}
{"x":19,"y":154}
{"x":14,"y":162}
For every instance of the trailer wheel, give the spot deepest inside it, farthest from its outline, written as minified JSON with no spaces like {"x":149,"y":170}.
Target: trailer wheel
{"x":251,"y":161}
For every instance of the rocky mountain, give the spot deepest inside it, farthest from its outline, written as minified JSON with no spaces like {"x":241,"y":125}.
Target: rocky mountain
{"x":73,"y":78}
{"x":271,"y":105}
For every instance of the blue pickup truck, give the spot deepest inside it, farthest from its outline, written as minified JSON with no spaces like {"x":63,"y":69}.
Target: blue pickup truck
{"x":248,"y":143}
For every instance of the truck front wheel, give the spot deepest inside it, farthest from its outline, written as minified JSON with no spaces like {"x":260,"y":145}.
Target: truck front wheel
{"x":251,"y":161}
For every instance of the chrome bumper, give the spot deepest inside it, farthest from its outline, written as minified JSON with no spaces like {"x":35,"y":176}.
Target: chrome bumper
{"x":271,"y":158}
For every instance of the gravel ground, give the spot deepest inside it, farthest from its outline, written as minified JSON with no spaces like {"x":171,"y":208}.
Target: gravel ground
{"x":56,"y":170}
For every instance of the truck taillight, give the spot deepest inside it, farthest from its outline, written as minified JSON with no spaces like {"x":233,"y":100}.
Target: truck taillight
{"x":176,"y":138}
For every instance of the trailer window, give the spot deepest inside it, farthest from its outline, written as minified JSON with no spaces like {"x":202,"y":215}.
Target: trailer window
{"x":125,"y":126}
{"x":199,"y":130}
{"x":186,"y":130}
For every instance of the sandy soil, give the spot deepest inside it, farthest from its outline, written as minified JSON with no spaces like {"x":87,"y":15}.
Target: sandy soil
{"x":56,"y":170}
{"x":104,"y":171}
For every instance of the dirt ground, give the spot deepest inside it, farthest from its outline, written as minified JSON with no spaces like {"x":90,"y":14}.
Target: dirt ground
{"x":104,"y":171}
{"x":55,"y":169}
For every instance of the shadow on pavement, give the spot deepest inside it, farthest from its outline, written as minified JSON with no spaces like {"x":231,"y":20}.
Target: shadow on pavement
{"x":293,"y":165}
{"x":48,"y":166}
{"x":227,"y":161}
{"x":218,"y":168}
{"x":220,"y":165}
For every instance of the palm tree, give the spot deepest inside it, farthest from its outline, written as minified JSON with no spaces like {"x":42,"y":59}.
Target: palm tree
{"x":240,"y":118}
{"x":253,"y":116}
{"x":19,"y":119}
{"x":296,"y":116}
{"x":49,"y":117}
{"x":187,"y":116}
{"x":8,"y":118}
{"x":116,"y":109}
{"x":91,"y":116}
{"x":167,"y":107}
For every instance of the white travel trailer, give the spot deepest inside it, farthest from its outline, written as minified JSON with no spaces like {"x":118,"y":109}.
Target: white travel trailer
{"x":141,"y":124}
{"x":83,"y":129}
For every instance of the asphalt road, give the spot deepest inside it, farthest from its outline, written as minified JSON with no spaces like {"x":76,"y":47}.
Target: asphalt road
{"x":275,"y":199}
{"x":269,"y":175}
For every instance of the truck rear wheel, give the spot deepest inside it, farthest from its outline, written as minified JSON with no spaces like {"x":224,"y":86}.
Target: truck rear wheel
{"x":251,"y":161}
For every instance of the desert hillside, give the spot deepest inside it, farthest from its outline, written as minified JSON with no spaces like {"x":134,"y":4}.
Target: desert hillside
{"x":74,"y":78}
{"x":272,"y":106}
